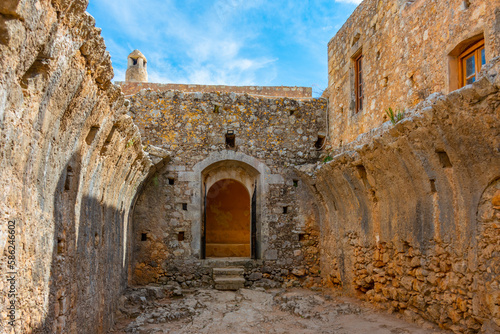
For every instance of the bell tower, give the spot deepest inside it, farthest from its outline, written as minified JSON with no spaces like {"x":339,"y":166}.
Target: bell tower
{"x":137,"y":69}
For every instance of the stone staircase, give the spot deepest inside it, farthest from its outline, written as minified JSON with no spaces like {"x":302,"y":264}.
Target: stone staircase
{"x":228,"y":278}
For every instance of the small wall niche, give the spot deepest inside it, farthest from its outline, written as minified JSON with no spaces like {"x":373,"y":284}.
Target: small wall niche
{"x":69,"y":178}
{"x":320,"y":142}
{"x":91,"y":135}
{"x":184,"y":206}
{"x":108,"y":139}
{"x":444,"y":159}
{"x":230,"y":139}
{"x":433,"y":185}
{"x":302,"y":237}
{"x":171,"y":181}
{"x":361,"y":172}
{"x":144,"y":236}
{"x":61,"y":246}
{"x":295,"y":183}
{"x":285,"y":210}
{"x":180,"y":236}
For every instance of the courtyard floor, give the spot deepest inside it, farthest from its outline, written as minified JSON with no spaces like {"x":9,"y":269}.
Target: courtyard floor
{"x":253,"y":311}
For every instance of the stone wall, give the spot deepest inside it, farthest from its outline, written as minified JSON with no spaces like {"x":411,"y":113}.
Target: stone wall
{"x":409,"y":50}
{"x":132,"y":88}
{"x":271,"y":136}
{"x":71,"y":161}
{"x":410,"y":215}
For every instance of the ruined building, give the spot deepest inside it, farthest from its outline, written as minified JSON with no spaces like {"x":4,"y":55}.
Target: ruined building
{"x":136,"y":183}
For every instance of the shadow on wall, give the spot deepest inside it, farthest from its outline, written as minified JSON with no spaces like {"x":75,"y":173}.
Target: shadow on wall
{"x":87,"y":272}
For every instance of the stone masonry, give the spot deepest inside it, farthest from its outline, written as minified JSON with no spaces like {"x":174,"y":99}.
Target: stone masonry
{"x":409,"y":51}
{"x":69,"y":170}
{"x":108,"y":192}
{"x":271,"y":136}
{"x":132,"y":88}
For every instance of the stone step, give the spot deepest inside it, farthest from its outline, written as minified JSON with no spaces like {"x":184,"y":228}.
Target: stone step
{"x":229,"y":283}
{"x":229,"y":271}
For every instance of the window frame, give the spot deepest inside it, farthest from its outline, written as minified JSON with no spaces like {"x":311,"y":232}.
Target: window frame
{"x":358,"y":82}
{"x":473,"y":50}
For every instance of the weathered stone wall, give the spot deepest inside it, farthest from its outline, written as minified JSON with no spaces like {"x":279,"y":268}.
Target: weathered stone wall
{"x":410,"y":219}
{"x":132,"y":88}
{"x":71,"y":161}
{"x":272,"y":135}
{"x":406,"y":48}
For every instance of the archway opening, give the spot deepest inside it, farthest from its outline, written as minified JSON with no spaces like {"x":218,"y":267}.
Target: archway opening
{"x":228,"y":219}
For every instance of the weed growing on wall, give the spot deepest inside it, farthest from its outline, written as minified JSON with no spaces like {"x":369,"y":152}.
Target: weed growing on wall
{"x":395,"y":115}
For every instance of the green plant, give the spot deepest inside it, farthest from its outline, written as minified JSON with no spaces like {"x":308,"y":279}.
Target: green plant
{"x":395,"y":115}
{"x":327,"y":158}
{"x":156,"y":182}
{"x":130,"y":143}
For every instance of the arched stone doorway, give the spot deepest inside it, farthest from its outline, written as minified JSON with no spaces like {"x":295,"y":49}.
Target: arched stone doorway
{"x":228,"y":220}
{"x":230,"y":210}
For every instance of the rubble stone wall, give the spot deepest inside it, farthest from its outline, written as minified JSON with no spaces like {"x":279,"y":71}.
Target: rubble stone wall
{"x":131,"y":88}
{"x":409,"y":51}
{"x":271,"y":136}
{"x":71,"y":161}
{"x":411,"y":211}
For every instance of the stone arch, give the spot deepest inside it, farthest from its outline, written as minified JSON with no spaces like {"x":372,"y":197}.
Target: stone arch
{"x":250,"y":171}
{"x":218,"y":176}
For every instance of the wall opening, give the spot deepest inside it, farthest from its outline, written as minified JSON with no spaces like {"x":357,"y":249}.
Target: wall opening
{"x":69,"y":178}
{"x":444,"y":159}
{"x":320,"y":142}
{"x":171,"y":181}
{"x":230,"y":139}
{"x":108,"y":140}
{"x":358,"y":82}
{"x":228,"y":214}
{"x":180,"y":236}
{"x":433,"y":185}
{"x":464,"y":62}
{"x":91,"y":135}
{"x":144,"y":237}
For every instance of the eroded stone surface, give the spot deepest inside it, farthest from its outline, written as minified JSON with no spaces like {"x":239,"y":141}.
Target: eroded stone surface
{"x":71,"y":161}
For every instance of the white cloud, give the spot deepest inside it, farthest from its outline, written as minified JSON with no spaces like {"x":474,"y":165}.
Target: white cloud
{"x":356,"y":2}
{"x":231,"y":42}
{"x":204,"y":47}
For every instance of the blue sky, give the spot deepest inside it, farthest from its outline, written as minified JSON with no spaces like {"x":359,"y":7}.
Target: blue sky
{"x":225,"y":42}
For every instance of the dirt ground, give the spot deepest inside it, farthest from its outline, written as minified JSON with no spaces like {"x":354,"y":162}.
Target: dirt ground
{"x":255,"y":311}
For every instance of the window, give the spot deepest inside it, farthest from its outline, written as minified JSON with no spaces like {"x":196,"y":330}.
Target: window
{"x":471,"y":62}
{"x":359,"y":82}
